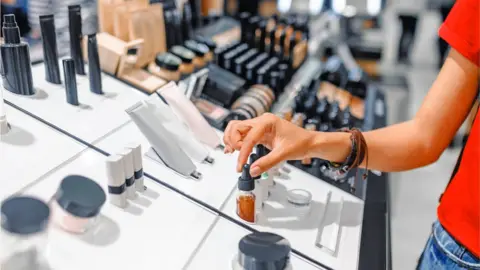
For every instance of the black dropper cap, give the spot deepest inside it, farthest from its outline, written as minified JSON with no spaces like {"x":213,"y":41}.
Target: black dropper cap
{"x":75,"y":31}
{"x":94,"y":69}
{"x":11,"y":33}
{"x":245,"y":181}
{"x":50,"y":53}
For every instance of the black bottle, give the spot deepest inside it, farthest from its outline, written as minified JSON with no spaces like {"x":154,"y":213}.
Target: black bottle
{"x":50,"y":53}
{"x":16,"y":68}
{"x":75,"y":30}
{"x":70,"y":81}
{"x":323,"y":108}
{"x":244,"y":16}
{"x":94,"y":70}
{"x":187,"y":21}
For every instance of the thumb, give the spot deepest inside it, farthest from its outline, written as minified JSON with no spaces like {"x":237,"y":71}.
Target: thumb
{"x":267,"y":162}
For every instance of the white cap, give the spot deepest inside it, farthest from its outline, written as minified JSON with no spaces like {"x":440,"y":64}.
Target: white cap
{"x":137,"y":155}
{"x":115,"y":170}
{"x":127,"y":162}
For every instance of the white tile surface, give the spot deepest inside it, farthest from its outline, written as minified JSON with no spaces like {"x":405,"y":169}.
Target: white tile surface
{"x":158,"y":230}
{"x":29,"y":150}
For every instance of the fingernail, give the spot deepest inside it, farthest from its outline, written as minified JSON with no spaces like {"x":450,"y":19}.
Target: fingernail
{"x":255,"y":171}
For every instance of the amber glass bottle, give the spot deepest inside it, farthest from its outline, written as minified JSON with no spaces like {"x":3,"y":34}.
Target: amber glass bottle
{"x":245,"y":196}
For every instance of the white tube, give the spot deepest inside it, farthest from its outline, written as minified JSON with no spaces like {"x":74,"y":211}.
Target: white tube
{"x":129,"y":172}
{"x":137,"y":165}
{"x":165,"y":116}
{"x":187,"y":111}
{"x":163,"y":143}
{"x":116,"y":181}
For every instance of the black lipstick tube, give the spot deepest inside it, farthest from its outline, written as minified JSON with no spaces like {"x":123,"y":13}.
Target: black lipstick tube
{"x":16,"y":67}
{"x":75,"y":30}
{"x":50,"y":53}
{"x":70,"y":81}
{"x":94,"y":70}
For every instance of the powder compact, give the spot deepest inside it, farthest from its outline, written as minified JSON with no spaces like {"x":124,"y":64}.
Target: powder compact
{"x":301,"y":200}
{"x":166,"y":66}
{"x":77,"y":203}
{"x":187,"y":67}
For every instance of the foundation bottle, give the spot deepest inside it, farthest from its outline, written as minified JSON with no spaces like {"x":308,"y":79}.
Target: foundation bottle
{"x":245,"y":196}
{"x":187,"y":67}
{"x":166,"y":66}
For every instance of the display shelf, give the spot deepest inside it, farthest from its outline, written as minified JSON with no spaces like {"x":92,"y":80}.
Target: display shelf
{"x":159,"y":229}
{"x":218,"y":179}
{"x":280,"y":217}
{"x":29,"y":150}
{"x":221,"y":245}
{"x":96,"y":116}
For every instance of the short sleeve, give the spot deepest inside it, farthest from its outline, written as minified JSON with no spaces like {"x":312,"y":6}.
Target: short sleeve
{"x":461,"y":29}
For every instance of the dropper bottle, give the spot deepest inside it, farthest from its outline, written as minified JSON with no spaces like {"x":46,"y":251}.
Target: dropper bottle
{"x":245,"y":196}
{"x":266,"y":177}
{"x":258,"y":191}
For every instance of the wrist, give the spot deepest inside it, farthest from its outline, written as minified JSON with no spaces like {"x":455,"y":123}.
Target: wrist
{"x":331,"y":146}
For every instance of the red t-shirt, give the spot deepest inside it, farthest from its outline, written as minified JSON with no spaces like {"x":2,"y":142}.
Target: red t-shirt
{"x":459,"y":209}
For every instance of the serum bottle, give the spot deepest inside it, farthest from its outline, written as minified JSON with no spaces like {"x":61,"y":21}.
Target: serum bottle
{"x":258,"y":191}
{"x":245,"y":196}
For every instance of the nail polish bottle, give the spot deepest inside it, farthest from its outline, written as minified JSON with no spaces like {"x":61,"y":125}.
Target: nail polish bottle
{"x":258,"y":191}
{"x":75,"y":31}
{"x":70,"y":81}
{"x":245,"y":196}
{"x":50,"y":53}
{"x":16,"y":67}
{"x":127,"y":155}
{"x":94,"y":70}
{"x":117,"y":189}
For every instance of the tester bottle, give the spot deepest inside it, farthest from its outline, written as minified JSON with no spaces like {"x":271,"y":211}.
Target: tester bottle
{"x":245,"y":196}
{"x":258,"y":191}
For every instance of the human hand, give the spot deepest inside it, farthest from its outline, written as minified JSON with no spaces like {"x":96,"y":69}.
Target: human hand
{"x":285,"y":140}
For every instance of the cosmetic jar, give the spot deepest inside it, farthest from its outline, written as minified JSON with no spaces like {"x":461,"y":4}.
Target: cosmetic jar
{"x":301,"y":200}
{"x":262,"y":251}
{"x":187,"y":67}
{"x":77,"y":203}
{"x":166,"y":66}
{"x":23,"y":237}
{"x":203,"y":54}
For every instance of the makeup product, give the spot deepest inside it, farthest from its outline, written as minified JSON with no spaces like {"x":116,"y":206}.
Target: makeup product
{"x":166,"y":117}
{"x":24,"y":235}
{"x":229,"y":57}
{"x":334,"y":72}
{"x":311,"y":105}
{"x":187,"y":21}
{"x":70,"y":81}
{"x":196,"y":84}
{"x":185,"y":110}
{"x":262,"y":251}
{"x":262,"y":35}
{"x":77,"y":203}
{"x":216,"y":115}
{"x":245,"y":33}
{"x":285,"y":75}
{"x":187,"y":67}
{"x":270,"y":49}
{"x":129,"y":172}
{"x":274,"y":82}
{"x":251,"y":68}
{"x":50,"y":53}
{"x":210,"y":43}
{"x":165,"y":148}
{"x":137,"y":165}
{"x":258,"y":191}
{"x":117,"y":188}
{"x":323,"y":107}
{"x":252,"y":27}
{"x":262,"y":151}
{"x":166,"y":66}
{"x":177,"y":27}
{"x":219,"y":52}
{"x":239,"y":62}
{"x":16,"y":67}
{"x":329,"y":227}
{"x":75,"y":31}
{"x":223,"y":86}
{"x":245,"y":196}
{"x":201,"y":51}
{"x":300,"y":200}
{"x":357,"y":83}
{"x":94,"y":72}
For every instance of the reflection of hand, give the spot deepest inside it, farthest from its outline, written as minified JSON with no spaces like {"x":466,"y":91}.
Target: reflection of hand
{"x":286,"y":141}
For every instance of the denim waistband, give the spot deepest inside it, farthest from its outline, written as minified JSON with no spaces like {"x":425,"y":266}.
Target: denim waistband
{"x":453,"y":249}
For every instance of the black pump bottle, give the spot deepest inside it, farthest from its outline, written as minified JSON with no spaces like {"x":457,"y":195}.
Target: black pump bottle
{"x":17,"y":70}
{"x":75,"y":30}
{"x":50,"y":54}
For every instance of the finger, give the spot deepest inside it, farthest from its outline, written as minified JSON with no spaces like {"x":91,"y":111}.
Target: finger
{"x":267,"y":162}
{"x":248,"y":143}
{"x":237,"y":137}
{"x":226,"y":133}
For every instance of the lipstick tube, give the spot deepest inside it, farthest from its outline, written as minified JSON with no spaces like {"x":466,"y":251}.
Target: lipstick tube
{"x":50,"y":53}
{"x":94,"y":71}
{"x":70,"y":81}
{"x":16,"y":67}
{"x":75,"y":31}
{"x":127,"y":155}
{"x":137,"y":165}
{"x":116,"y":181}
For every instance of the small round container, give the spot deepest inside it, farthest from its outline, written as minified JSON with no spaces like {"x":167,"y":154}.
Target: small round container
{"x":77,"y":203}
{"x":262,"y":251}
{"x":301,"y":200}
{"x":187,"y":67}
{"x":203,"y":54}
{"x":23,"y":237}
{"x":166,"y":66}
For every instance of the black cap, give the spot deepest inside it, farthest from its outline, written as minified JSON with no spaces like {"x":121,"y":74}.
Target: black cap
{"x":132,"y":51}
{"x":80,"y":196}
{"x":198,"y":48}
{"x":9,"y":20}
{"x":210,"y":43}
{"x":168,"y":61}
{"x":245,"y":181}
{"x":261,"y":150}
{"x":24,"y":215}
{"x":253,"y":157}
{"x":263,"y":251}
{"x":183,"y":53}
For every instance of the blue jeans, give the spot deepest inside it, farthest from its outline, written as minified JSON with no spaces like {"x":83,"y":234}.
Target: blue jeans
{"x":443,"y":252}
